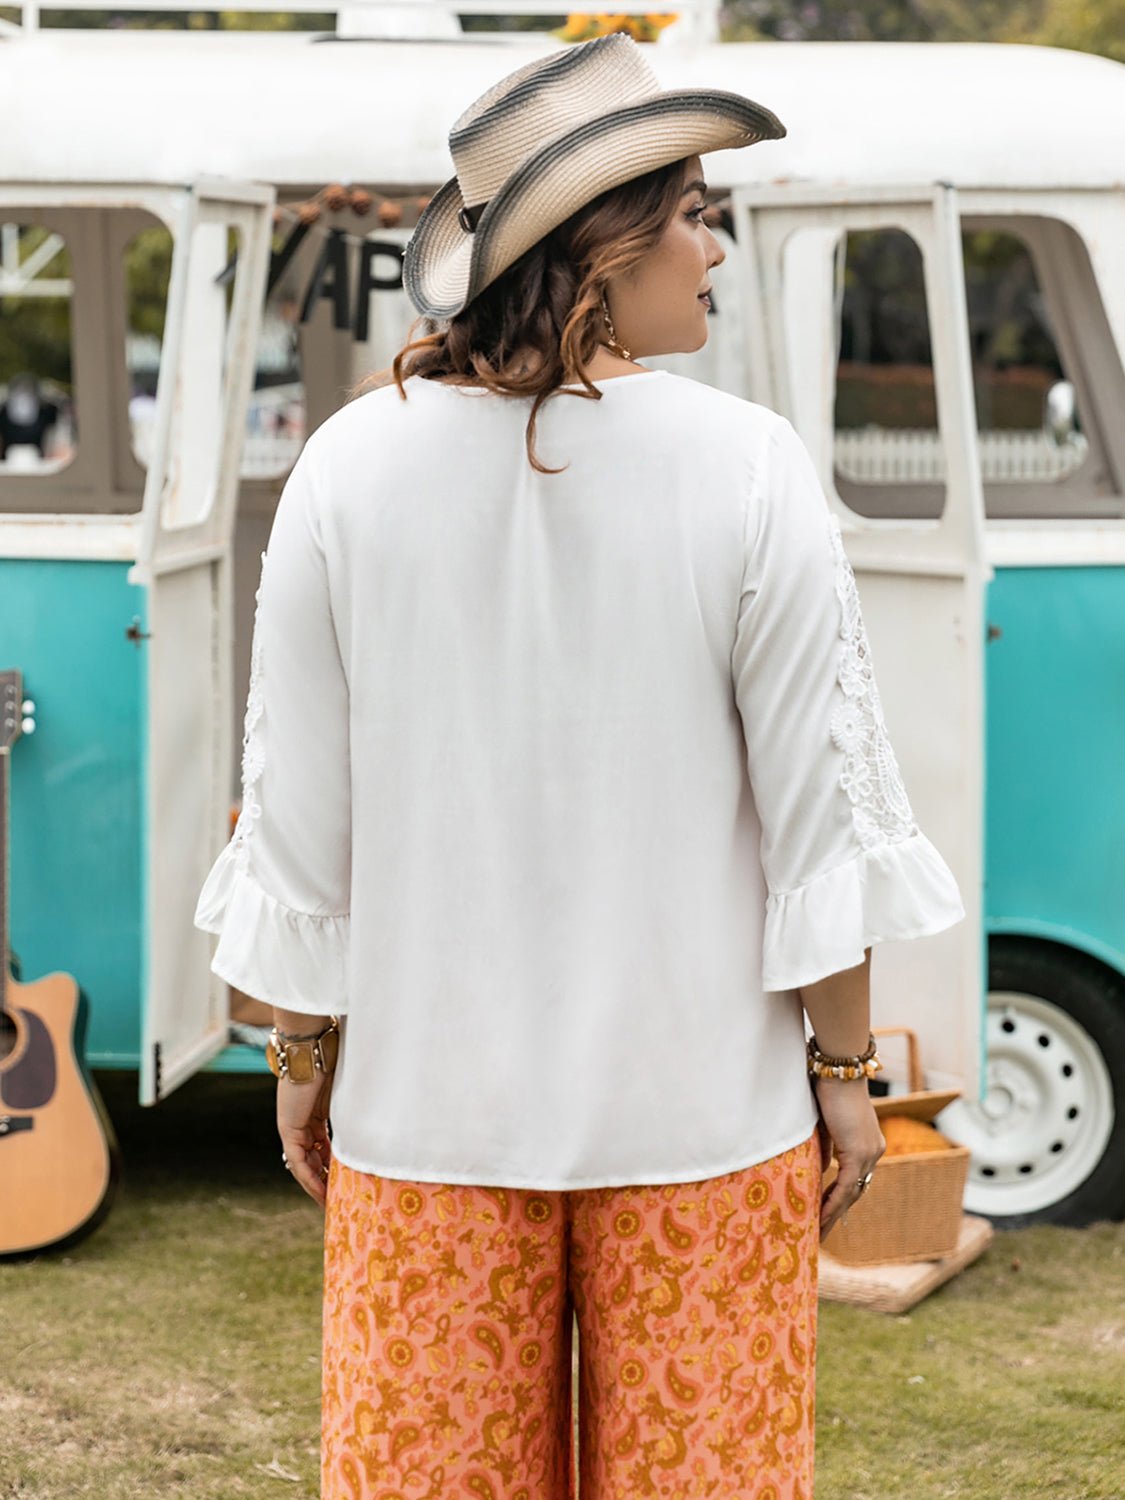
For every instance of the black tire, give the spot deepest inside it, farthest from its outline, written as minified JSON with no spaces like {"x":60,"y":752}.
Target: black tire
{"x":1050,"y":1147}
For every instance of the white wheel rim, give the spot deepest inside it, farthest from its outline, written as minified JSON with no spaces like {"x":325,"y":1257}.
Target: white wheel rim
{"x":1047,"y":1112}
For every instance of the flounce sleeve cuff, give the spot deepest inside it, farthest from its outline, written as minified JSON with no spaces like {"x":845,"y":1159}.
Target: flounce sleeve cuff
{"x":896,"y":890}
{"x":269,"y":951}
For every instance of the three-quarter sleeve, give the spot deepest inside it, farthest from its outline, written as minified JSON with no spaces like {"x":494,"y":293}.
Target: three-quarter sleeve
{"x":846,"y":865}
{"x":278,"y":896}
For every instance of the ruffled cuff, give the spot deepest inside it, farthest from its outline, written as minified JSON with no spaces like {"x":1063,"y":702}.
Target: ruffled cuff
{"x":284,"y":957}
{"x":899,"y":890}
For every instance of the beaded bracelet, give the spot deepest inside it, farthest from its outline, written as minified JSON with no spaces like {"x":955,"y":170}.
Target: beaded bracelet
{"x":862,"y":1065}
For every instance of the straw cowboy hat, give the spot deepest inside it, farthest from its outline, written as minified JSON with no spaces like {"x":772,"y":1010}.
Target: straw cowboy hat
{"x":547,"y":139}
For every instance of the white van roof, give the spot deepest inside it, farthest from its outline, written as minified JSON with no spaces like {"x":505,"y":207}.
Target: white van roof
{"x":303,"y":109}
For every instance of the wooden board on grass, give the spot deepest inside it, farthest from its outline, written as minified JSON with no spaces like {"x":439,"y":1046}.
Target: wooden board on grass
{"x":895,"y":1287}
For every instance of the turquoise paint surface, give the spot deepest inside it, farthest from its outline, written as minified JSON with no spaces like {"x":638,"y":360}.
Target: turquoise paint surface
{"x":1055,"y":768}
{"x":78,"y":836}
{"x":1055,"y":787}
{"x":238,"y":1059}
{"x":76,"y":787}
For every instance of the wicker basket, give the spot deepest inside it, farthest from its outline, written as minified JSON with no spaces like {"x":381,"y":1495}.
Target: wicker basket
{"x":912,"y":1210}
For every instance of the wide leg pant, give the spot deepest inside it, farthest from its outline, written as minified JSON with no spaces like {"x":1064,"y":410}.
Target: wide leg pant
{"x":447,"y":1338}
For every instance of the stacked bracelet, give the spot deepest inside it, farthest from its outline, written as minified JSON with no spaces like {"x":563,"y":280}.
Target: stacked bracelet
{"x":862,"y":1065}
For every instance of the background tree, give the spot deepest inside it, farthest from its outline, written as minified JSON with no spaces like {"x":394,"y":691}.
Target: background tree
{"x":1082,"y":25}
{"x":35,"y":331}
{"x":1085,"y":25}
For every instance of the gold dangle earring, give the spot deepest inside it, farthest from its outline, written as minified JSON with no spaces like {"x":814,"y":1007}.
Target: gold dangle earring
{"x":612,"y":341}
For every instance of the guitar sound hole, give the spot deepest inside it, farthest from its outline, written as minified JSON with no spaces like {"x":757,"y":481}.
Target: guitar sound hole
{"x":7,"y":1034}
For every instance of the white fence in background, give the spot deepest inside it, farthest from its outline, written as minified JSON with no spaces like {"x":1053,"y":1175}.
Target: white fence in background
{"x":881,"y":455}
{"x":275,"y":432}
{"x":872,"y":456}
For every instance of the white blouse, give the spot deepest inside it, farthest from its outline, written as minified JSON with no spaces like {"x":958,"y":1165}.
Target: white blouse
{"x":556,"y":786}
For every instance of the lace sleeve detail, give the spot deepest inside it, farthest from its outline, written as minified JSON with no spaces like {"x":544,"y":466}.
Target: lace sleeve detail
{"x":844,"y":862}
{"x":881,"y":811}
{"x":253,"y":749}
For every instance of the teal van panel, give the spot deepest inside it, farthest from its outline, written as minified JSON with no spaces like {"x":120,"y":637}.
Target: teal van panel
{"x":1055,"y":761}
{"x":238,"y":1059}
{"x":77,"y":799}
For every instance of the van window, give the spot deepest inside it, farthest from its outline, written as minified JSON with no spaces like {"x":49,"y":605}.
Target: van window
{"x":37,"y":415}
{"x":888,"y":459}
{"x":1034,"y":314}
{"x":200,"y":393}
{"x":148,"y":263}
{"x":275,"y":417}
{"x":1036,"y":321}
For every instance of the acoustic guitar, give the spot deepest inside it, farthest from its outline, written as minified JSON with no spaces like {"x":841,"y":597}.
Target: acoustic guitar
{"x":59,"y":1159}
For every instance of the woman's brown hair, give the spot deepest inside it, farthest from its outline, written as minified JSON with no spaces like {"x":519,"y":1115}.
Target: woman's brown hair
{"x":548,"y":302}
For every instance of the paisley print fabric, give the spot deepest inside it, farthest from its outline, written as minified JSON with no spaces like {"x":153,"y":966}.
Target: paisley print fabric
{"x":448,"y":1314}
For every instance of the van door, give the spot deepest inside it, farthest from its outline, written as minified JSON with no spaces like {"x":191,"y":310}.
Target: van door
{"x":215,"y":295}
{"x":921,"y":576}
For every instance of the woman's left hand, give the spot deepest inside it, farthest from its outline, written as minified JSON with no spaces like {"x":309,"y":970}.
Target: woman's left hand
{"x":302,"y":1124}
{"x":849,"y":1126}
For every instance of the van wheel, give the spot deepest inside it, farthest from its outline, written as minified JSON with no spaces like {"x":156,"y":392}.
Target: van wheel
{"x":1048,"y":1138}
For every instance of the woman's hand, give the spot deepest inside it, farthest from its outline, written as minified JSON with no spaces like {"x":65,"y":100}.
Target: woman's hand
{"x":302,"y":1123}
{"x":850,"y":1126}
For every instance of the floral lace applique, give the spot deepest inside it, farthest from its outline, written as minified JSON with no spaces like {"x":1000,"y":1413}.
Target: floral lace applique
{"x":253,"y":751}
{"x":871,"y":778}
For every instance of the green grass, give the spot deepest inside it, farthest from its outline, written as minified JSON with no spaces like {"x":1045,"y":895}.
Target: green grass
{"x":176,"y":1350}
{"x":1008,"y":1382}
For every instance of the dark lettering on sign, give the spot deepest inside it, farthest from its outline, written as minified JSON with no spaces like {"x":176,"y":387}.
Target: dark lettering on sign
{"x":30,"y":1082}
{"x":330,"y":277}
{"x":330,"y":280}
{"x":369,"y":282}
{"x":279,"y":259}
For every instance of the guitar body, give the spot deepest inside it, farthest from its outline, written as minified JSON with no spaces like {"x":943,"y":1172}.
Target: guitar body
{"x":59,"y":1159}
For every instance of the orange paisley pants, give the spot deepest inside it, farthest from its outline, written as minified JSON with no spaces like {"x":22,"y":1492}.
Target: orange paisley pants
{"x":448,"y":1313}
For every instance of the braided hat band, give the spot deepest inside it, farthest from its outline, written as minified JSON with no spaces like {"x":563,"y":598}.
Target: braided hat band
{"x":547,"y":139}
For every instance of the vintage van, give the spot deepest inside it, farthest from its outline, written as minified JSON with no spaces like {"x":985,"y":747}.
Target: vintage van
{"x":929,"y":203}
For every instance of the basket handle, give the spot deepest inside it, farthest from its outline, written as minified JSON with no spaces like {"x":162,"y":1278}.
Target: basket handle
{"x":913,"y":1062}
